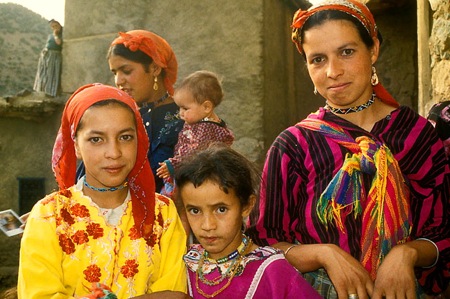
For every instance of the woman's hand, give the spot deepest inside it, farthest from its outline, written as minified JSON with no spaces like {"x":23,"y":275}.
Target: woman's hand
{"x":347,"y":274}
{"x":395,"y":276}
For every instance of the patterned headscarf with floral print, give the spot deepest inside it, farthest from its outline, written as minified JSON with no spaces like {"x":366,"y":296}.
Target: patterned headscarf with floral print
{"x":155,"y":47}
{"x":140,"y":178}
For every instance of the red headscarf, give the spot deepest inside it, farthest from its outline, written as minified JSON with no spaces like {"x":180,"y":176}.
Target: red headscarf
{"x":140,"y":178}
{"x":355,"y":9}
{"x":154,"y":46}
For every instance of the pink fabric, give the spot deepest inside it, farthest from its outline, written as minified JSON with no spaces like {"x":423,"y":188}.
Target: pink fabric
{"x":266,"y":275}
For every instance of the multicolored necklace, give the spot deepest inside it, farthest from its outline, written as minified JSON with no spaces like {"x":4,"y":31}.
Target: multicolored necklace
{"x":104,"y":189}
{"x":351,"y":109}
{"x":235,"y":257}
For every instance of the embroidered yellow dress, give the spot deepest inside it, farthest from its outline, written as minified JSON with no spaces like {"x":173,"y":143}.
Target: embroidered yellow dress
{"x":81,"y":247}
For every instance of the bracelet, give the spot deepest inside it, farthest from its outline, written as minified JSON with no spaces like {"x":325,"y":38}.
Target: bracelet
{"x":437,"y":252}
{"x":289,"y":248}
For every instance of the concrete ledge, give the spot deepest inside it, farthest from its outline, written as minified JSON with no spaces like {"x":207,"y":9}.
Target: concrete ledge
{"x":35,"y":106}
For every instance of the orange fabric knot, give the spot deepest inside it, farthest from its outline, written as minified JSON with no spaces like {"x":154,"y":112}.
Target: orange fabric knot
{"x":131,"y":42}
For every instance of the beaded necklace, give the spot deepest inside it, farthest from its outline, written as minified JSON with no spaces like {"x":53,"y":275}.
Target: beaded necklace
{"x":157,"y":102}
{"x":104,"y":189}
{"x":231,"y":256}
{"x":351,"y":109}
{"x":235,"y":257}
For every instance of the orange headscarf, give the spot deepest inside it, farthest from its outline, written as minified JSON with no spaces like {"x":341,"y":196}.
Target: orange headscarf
{"x":154,"y":46}
{"x":352,"y":7}
{"x":140,"y":178}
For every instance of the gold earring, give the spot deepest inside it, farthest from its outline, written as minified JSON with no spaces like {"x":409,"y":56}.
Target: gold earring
{"x":374,"y":78}
{"x":315,"y":90}
{"x":155,"y":84}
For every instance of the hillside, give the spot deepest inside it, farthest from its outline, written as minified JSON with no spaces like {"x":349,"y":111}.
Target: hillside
{"x":23,"y":34}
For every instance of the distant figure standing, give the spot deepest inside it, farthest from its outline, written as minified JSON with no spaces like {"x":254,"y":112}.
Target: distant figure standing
{"x":49,"y":67}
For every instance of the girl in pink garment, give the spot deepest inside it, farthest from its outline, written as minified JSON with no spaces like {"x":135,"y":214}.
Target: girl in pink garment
{"x":218,"y":189}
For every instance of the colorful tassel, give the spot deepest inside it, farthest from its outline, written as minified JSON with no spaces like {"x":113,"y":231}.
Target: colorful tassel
{"x":386,"y":219}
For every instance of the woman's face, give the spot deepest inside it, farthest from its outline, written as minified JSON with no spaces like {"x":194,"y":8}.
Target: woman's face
{"x":107,"y":148}
{"x":132,"y":78}
{"x":339,"y":63}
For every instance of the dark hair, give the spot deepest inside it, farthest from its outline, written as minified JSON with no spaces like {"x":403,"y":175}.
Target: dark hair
{"x":321,"y":16}
{"x":222,"y":165}
{"x":103,"y":103}
{"x":135,"y":56}
{"x":204,"y":85}
{"x":54,"y":21}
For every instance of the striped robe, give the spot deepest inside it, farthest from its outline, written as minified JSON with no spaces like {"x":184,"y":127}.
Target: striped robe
{"x":300,"y":164}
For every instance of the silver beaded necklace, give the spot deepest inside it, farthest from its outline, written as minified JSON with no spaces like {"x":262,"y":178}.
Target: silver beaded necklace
{"x":351,"y":109}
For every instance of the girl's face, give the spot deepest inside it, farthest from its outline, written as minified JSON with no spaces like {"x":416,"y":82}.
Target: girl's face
{"x":107,"y":148}
{"x":190,"y":111}
{"x":132,"y":78}
{"x":215,"y":217}
{"x":339,"y":63}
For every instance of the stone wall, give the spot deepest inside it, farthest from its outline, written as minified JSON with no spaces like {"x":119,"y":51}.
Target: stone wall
{"x":28,"y":126}
{"x":439,"y":45}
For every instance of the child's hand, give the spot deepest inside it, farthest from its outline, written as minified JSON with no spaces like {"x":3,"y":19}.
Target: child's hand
{"x":163,"y":171}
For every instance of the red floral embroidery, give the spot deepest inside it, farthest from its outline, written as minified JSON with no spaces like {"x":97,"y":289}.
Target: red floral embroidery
{"x":67,"y":217}
{"x":58,"y":221}
{"x":66,"y":244}
{"x":152,"y":240}
{"x":94,"y":230}
{"x":79,"y":211}
{"x":92,"y":273}
{"x":129,"y":269}
{"x":134,"y":233}
{"x":160,"y":219}
{"x":66,"y":193}
{"x":80,"y":237}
